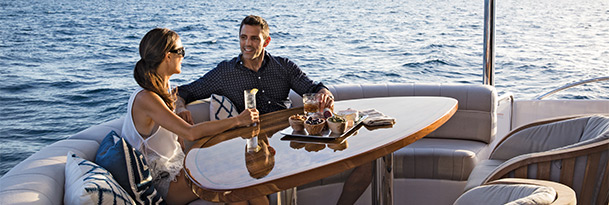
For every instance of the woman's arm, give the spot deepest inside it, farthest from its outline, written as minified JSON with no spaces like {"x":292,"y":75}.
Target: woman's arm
{"x":153,"y":107}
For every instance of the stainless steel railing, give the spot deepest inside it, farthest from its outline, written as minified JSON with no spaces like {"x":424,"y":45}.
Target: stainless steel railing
{"x":488,"y":73}
{"x":570,"y":85}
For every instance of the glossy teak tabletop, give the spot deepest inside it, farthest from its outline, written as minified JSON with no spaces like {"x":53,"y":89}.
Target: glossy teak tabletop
{"x":222,"y":170}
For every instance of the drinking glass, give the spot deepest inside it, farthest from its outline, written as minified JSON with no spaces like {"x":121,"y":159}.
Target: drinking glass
{"x":250,"y":98}
{"x":251,"y":144}
{"x":311,"y":103}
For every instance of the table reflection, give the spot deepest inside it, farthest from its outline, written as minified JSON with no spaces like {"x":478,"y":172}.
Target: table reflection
{"x":260,"y":162}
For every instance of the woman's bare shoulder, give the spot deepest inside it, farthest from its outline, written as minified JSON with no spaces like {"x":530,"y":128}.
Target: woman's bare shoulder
{"x":148,"y":99}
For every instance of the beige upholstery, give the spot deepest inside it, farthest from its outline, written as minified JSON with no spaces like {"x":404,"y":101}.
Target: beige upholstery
{"x":445,"y":157}
{"x":450,"y":152}
{"x":475,"y":117}
{"x":573,"y":151}
{"x":39,"y":179}
{"x":518,"y":191}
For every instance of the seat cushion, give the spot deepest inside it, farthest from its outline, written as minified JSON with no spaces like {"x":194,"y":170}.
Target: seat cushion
{"x":481,"y":171}
{"x":434,"y":158}
{"x":508,"y":194}
{"x":44,"y":173}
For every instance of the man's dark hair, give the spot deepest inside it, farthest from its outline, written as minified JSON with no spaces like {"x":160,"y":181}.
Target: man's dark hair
{"x":253,"y":20}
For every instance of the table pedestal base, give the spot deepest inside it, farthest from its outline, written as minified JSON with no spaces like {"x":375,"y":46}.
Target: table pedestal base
{"x":382,"y":180}
{"x":287,"y":197}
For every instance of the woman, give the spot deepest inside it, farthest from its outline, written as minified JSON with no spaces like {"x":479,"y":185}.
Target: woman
{"x":151,"y":125}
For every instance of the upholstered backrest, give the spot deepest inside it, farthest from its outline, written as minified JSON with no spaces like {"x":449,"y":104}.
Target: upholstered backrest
{"x":199,"y":110}
{"x":556,"y":135}
{"x":475,"y":118}
{"x":39,"y":179}
{"x":574,"y":152}
{"x":98,"y":132}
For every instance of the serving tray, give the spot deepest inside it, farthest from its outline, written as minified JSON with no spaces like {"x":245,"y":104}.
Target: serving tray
{"x":324,"y":136}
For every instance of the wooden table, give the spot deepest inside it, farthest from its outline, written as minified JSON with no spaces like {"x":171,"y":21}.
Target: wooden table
{"x":223,"y":171}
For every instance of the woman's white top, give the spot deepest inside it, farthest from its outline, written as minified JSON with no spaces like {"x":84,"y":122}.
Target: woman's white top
{"x":162,"y":150}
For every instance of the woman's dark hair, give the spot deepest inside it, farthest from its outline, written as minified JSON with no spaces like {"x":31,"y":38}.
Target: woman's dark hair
{"x":153,"y":47}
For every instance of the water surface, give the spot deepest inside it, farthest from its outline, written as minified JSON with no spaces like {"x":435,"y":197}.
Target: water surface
{"x":68,"y":65}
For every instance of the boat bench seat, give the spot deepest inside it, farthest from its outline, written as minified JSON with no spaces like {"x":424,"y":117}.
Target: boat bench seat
{"x":44,"y":171}
{"x":441,"y":161}
{"x":450,"y":152}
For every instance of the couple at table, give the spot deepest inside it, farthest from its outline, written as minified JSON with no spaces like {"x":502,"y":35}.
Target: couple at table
{"x":151,"y":121}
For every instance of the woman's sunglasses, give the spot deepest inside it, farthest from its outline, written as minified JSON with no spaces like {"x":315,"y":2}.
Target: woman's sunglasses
{"x":179,"y":51}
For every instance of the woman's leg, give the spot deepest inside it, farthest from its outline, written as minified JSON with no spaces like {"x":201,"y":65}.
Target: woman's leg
{"x":179,"y":191}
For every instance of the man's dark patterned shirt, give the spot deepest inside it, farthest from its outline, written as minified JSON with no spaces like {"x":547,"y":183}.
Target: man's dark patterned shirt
{"x":274,"y":79}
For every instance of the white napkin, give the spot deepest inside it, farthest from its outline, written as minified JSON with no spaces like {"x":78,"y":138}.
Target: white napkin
{"x":376,"y":118}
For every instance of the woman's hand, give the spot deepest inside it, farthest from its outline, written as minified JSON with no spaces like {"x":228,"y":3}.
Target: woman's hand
{"x":248,"y":117}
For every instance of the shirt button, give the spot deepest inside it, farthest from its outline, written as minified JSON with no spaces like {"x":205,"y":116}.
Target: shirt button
{"x":269,"y":102}
{"x":262,"y":91}
{"x":258,"y":77}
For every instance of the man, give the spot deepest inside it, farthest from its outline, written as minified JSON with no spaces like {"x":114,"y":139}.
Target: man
{"x":273,"y":76}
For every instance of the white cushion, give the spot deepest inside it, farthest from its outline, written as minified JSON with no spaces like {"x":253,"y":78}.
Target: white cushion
{"x":221,"y":107}
{"x":508,"y":194}
{"x":89,"y":183}
{"x":434,"y":158}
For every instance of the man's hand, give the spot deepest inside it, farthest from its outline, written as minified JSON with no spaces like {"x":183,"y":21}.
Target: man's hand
{"x":185,"y":115}
{"x":182,"y":111}
{"x":326,"y":99}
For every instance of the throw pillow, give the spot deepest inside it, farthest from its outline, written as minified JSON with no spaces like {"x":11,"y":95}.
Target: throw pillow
{"x":221,"y":107}
{"x":128,"y":167}
{"x":89,"y":183}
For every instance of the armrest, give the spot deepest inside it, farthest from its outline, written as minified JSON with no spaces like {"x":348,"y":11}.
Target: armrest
{"x":518,"y":167}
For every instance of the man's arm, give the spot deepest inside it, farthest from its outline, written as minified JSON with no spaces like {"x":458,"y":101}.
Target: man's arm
{"x":301,"y":83}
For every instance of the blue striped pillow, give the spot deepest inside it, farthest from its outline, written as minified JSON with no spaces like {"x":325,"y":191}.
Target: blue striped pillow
{"x":89,"y":183}
{"x":129,"y":168}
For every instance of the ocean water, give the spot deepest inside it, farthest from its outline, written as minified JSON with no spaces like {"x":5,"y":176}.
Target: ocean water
{"x":68,"y":65}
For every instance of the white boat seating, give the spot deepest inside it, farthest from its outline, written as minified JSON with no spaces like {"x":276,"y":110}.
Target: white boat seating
{"x":573,"y":151}
{"x":39,"y":179}
{"x":519,"y":191}
{"x":443,"y":160}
